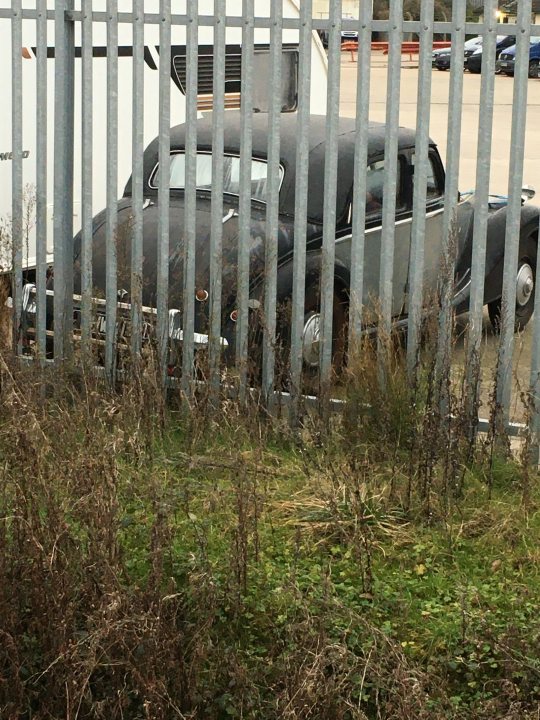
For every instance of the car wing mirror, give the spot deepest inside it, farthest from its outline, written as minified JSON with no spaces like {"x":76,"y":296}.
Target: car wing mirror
{"x":527,"y":193}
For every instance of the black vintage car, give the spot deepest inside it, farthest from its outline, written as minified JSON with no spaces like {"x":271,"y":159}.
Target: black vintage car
{"x":285,"y":240}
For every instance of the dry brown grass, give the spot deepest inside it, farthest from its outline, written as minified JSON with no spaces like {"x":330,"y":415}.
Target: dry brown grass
{"x":5,"y":314}
{"x":182,"y":565}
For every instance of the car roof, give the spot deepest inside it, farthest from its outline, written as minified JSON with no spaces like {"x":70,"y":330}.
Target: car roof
{"x":288,"y":141}
{"x":473,"y":42}
{"x":288,"y":134}
{"x":512,"y":49}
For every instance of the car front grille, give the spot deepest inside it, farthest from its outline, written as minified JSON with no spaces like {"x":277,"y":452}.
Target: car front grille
{"x":506,"y":56}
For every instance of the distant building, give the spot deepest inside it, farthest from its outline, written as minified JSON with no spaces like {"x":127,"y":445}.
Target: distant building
{"x":507,"y":10}
{"x":348,"y":8}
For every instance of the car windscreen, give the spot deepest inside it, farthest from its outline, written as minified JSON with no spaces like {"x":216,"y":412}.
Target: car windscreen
{"x":231,"y":175}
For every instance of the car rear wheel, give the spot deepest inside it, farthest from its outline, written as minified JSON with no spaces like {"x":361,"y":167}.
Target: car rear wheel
{"x":525,"y":284}
{"x":534,"y":69}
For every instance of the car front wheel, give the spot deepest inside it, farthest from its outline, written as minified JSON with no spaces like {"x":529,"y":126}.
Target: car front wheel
{"x":525,"y":284}
{"x":311,"y":334}
{"x":534,"y":69}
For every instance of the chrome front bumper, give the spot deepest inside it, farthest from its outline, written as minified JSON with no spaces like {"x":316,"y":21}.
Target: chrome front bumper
{"x":99,"y":321}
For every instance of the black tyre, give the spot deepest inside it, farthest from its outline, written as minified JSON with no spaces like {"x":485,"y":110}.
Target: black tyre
{"x":534,"y":69}
{"x":310,"y":339}
{"x":525,"y":284}
{"x":310,"y":334}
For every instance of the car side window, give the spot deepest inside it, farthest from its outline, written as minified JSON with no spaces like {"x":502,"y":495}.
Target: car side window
{"x":434,"y":189}
{"x":375,"y":174}
{"x":375,"y":187}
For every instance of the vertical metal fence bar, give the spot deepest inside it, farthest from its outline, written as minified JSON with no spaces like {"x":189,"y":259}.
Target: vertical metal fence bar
{"x":301,"y":194}
{"x":244,"y":209}
{"x":41,"y":176}
{"x":63,"y":179}
{"x":453,"y":143}
{"x":216,"y":212}
{"x":111,"y":220}
{"x":395,"y":34}
{"x":513,"y":218}
{"x":190,"y":222}
{"x":330,"y":193}
{"x":360,"y":173}
{"x":87,"y":177}
{"x":16,"y":168}
{"x":418,"y":230}
{"x":164,"y":179}
{"x":272,"y":199}
{"x":483,"y":167}
{"x":137,"y":181}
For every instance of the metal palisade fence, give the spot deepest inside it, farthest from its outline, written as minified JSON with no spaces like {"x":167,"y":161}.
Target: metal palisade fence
{"x":94,"y":82}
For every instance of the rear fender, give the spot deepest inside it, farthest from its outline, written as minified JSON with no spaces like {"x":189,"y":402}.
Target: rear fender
{"x":495,"y":246}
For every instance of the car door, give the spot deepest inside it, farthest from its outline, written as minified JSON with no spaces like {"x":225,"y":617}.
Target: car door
{"x":373,"y":238}
{"x":434,"y":227}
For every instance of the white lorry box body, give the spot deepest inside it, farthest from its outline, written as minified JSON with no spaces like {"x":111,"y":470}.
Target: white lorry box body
{"x":125,"y":96}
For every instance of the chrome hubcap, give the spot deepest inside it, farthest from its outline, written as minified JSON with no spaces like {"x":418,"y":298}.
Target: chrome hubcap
{"x":524,"y":285}
{"x":310,"y":340}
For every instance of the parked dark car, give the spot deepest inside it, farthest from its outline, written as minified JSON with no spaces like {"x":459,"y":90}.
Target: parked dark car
{"x":285,"y":240}
{"x":507,"y":59}
{"x":474,"y":62}
{"x":349,"y":35}
{"x":346,"y":35}
{"x":443,"y":58}
{"x":435,"y":54}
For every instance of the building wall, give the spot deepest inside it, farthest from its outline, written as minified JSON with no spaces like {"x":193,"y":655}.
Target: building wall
{"x":349,"y":7}
{"x":507,"y":17}
{"x":511,"y":17}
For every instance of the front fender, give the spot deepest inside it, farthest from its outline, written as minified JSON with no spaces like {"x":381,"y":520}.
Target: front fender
{"x":313,"y":271}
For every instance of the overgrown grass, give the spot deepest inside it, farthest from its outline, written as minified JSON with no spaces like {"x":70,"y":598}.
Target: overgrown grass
{"x":164,"y":564}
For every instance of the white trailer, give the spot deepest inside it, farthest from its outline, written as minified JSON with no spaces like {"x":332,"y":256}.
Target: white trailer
{"x":125,"y":91}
